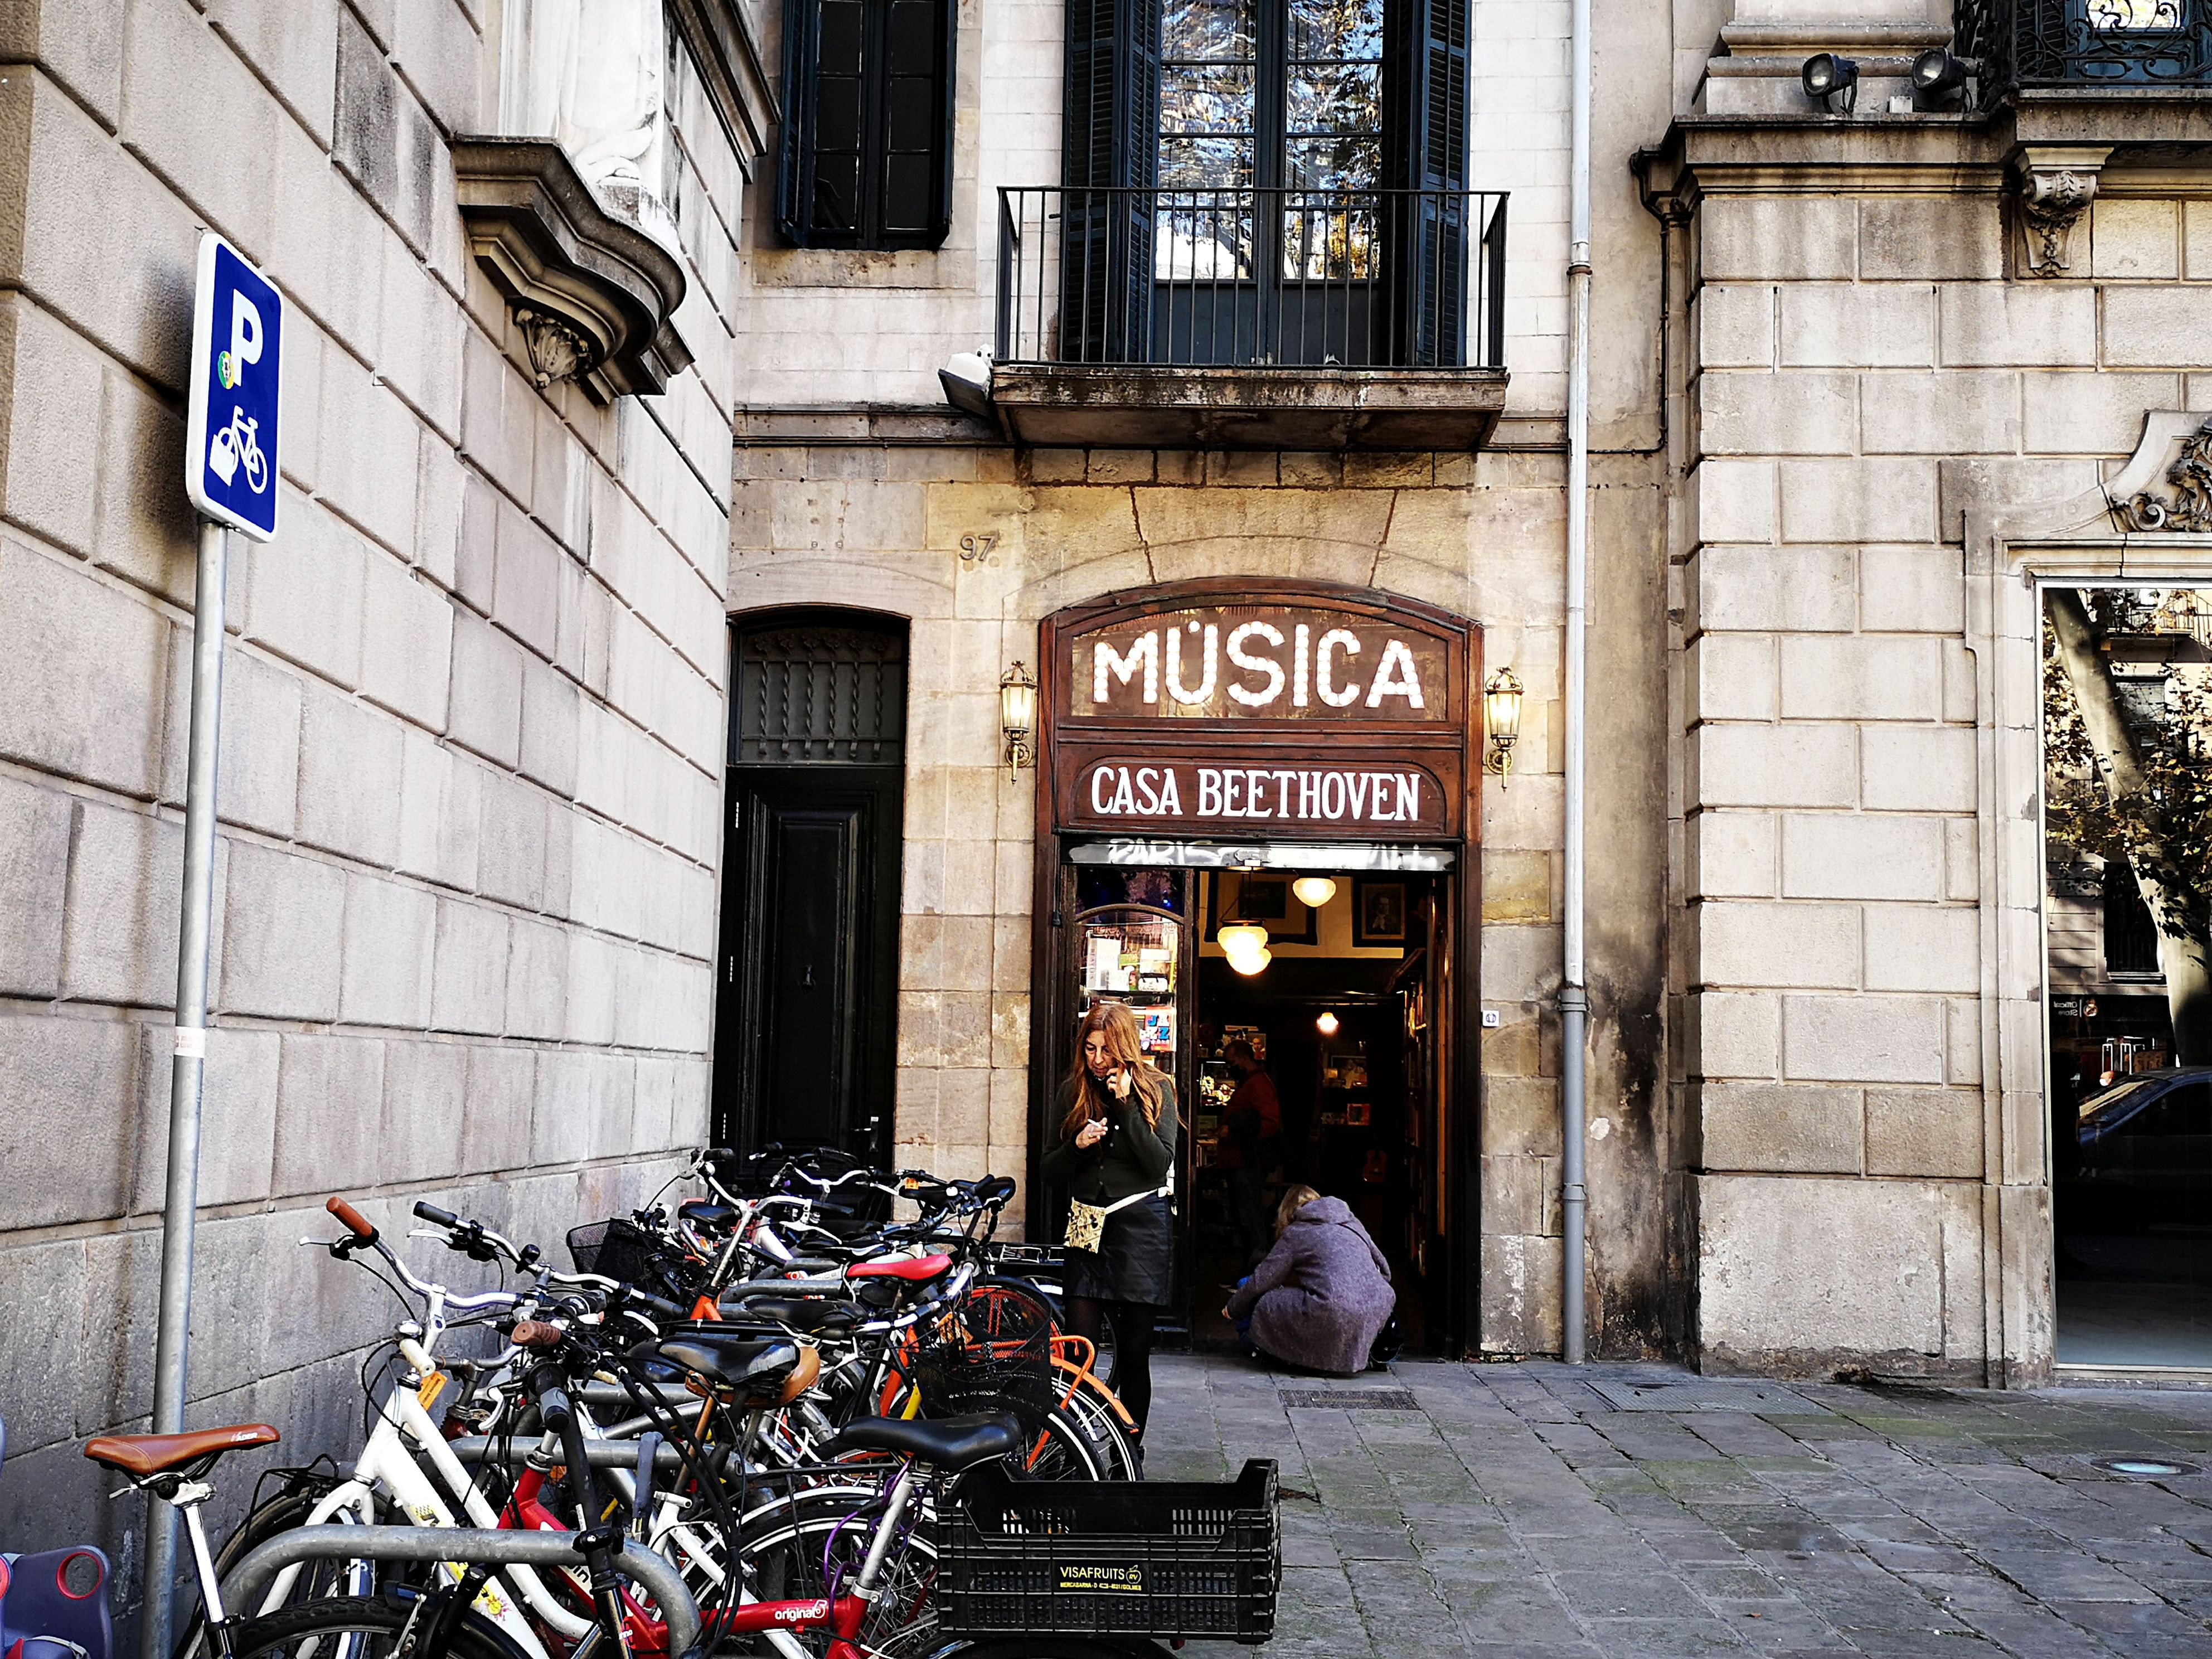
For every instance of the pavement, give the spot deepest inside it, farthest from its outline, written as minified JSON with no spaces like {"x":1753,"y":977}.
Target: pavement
{"x":1546,"y":1512}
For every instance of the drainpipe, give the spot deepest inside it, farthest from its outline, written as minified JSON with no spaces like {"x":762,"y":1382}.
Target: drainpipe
{"x":1574,"y":1001}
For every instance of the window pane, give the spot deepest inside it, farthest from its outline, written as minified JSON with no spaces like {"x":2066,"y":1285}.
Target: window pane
{"x":1335,"y":163}
{"x":913,"y":37}
{"x":909,"y":190}
{"x":1335,"y":98}
{"x":1217,"y":30}
{"x":1224,"y":162}
{"x":913,"y":115}
{"x":840,"y":37}
{"x":1336,"y":28}
{"x":1206,"y":100}
{"x":836,"y":116}
{"x":837,"y":191}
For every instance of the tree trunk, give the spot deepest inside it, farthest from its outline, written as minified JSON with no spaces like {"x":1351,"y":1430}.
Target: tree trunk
{"x":2181,"y":957}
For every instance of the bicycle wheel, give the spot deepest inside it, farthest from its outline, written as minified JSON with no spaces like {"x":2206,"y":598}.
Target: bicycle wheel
{"x":357,"y":1627}
{"x":796,"y":1559}
{"x":316,"y":1580}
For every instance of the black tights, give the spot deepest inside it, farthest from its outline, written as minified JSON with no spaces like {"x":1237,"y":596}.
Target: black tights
{"x":1132,"y":1347}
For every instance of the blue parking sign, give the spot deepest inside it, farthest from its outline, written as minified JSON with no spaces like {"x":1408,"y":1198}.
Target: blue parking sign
{"x":231,"y":432}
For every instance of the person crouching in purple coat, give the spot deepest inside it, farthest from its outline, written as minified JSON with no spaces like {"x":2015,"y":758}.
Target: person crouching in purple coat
{"x":1322,"y":1294}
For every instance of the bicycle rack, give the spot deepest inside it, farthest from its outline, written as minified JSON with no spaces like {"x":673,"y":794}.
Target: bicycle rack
{"x":493,"y":1545}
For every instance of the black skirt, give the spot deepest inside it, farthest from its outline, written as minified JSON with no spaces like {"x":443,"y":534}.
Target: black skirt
{"x":1134,"y":1260}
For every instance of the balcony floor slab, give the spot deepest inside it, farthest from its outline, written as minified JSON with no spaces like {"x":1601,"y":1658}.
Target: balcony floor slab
{"x":1148,"y":406}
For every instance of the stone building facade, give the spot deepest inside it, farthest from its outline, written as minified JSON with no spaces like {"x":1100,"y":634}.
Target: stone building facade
{"x":1859,"y":381}
{"x":472,"y":709}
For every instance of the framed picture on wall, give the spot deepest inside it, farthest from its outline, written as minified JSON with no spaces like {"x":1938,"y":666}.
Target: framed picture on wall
{"x":1233,"y":896}
{"x":1378,"y":912}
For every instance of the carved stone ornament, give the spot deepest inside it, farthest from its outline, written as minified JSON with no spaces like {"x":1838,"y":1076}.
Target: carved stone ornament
{"x":2051,"y":203}
{"x":592,"y":294}
{"x":557,"y":351}
{"x":2188,"y":505}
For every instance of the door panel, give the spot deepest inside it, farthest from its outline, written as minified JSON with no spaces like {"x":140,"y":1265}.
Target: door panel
{"x":810,"y":975}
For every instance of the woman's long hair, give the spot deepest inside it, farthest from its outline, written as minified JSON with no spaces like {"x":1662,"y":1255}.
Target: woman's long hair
{"x":1148,"y":1082}
{"x":1287,"y":1212}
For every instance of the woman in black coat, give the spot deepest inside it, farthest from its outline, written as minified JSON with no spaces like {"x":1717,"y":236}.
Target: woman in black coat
{"x":1116,"y":1147}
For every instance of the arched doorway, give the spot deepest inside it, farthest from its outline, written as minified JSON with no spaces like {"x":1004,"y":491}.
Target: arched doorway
{"x":805,"y":1043}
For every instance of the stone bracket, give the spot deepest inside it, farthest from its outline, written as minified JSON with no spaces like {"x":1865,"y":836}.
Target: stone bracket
{"x":2056,"y":185}
{"x":592,"y":294}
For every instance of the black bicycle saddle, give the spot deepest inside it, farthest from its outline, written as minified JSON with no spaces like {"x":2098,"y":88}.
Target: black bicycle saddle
{"x":947,"y":1442}
{"x":751,"y":1364}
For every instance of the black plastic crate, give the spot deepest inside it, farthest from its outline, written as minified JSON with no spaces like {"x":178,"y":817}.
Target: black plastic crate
{"x":1146,"y":1558}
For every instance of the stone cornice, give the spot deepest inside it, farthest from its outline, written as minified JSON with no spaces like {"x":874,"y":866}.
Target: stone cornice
{"x":2160,"y":144}
{"x":592,"y":294}
{"x":738,"y":82}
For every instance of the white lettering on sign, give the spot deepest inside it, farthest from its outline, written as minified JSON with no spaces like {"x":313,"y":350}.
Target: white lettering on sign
{"x":1332,"y":794}
{"x":1281,"y":663}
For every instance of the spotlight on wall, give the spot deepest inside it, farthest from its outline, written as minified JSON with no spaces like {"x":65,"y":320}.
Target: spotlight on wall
{"x":967,"y":383}
{"x":1328,"y":1023}
{"x":1501,"y":708}
{"x":1313,"y":891}
{"x":1018,"y":693}
{"x":1831,"y":80}
{"x":1936,"y":73}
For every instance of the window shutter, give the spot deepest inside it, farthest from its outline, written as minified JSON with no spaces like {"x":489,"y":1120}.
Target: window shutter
{"x":865,"y":154}
{"x":1108,"y":144}
{"x":1425,"y":134}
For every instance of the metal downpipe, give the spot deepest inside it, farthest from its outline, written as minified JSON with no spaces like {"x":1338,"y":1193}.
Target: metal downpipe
{"x":1574,"y":1002}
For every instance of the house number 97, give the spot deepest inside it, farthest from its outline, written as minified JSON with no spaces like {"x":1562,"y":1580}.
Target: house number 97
{"x":975,"y":549}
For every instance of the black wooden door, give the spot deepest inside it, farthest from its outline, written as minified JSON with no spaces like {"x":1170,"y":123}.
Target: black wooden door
{"x":807,"y":1040}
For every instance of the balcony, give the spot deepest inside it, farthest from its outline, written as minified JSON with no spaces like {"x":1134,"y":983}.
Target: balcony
{"x":1278,"y":318}
{"x":2073,"y":46}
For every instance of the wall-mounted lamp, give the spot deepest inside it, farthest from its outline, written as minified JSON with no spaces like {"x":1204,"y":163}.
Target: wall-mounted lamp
{"x":1831,"y":81}
{"x":1313,"y":891}
{"x":1017,"y":717}
{"x":1328,"y":1023}
{"x":1501,"y":708}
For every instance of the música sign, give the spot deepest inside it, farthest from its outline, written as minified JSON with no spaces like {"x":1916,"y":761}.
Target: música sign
{"x":1263,"y":709}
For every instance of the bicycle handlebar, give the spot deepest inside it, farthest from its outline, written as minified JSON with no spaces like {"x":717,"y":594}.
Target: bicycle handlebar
{"x":352,"y":1220}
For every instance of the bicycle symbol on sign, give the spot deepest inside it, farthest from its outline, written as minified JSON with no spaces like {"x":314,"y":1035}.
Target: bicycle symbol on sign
{"x":236,"y":446}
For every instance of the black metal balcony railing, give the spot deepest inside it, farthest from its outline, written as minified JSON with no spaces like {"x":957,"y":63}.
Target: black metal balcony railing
{"x":2085,"y":43}
{"x":1279,"y":278}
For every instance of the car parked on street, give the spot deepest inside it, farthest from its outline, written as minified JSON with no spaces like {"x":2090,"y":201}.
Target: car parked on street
{"x":2146,"y":1154}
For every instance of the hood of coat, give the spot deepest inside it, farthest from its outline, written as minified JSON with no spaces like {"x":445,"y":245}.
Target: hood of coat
{"x":1324,"y":1212}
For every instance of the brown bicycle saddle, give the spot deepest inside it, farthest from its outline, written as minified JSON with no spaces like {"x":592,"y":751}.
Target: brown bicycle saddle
{"x":142,"y":1455}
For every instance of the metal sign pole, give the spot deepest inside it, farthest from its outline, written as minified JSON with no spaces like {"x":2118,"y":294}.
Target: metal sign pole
{"x":179,"y":1208}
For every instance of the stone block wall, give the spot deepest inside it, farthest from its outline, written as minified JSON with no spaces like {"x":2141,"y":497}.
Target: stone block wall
{"x":473,"y":717}
{"x":836,"y":509}
{"x":1867,"y":377}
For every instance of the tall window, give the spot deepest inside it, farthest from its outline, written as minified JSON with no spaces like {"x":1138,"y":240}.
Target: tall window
{"x":866,"y":153}
{"x":1265,"y":181}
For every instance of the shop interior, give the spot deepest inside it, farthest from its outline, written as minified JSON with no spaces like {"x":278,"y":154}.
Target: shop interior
{"x":1332,"y":978}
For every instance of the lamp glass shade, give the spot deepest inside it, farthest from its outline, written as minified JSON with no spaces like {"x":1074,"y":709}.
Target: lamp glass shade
{"x":1018,"y":700}
{"x":1501,"y":704}
{"x":1313,"y":891}
{"x":1249,"y":962}
{"x":1328,"y":1025}
{"x":1239,"y":937}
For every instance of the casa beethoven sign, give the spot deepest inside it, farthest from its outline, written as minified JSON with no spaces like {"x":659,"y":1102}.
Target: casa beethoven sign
{"x":1261,"y":710}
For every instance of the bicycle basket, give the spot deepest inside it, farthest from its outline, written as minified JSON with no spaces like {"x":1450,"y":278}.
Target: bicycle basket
{"x":991,"y":1347}
{"x":617,"y":1249}
{"x":1110,"y":1557}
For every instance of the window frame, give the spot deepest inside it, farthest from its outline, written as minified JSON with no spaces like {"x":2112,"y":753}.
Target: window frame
{"x":797,"y":141}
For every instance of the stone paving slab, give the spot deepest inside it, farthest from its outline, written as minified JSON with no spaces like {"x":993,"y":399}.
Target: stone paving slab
{"x":1541,"y":1511}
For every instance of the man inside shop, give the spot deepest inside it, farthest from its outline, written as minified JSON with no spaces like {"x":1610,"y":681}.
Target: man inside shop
{"x":1251,"y":1146}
